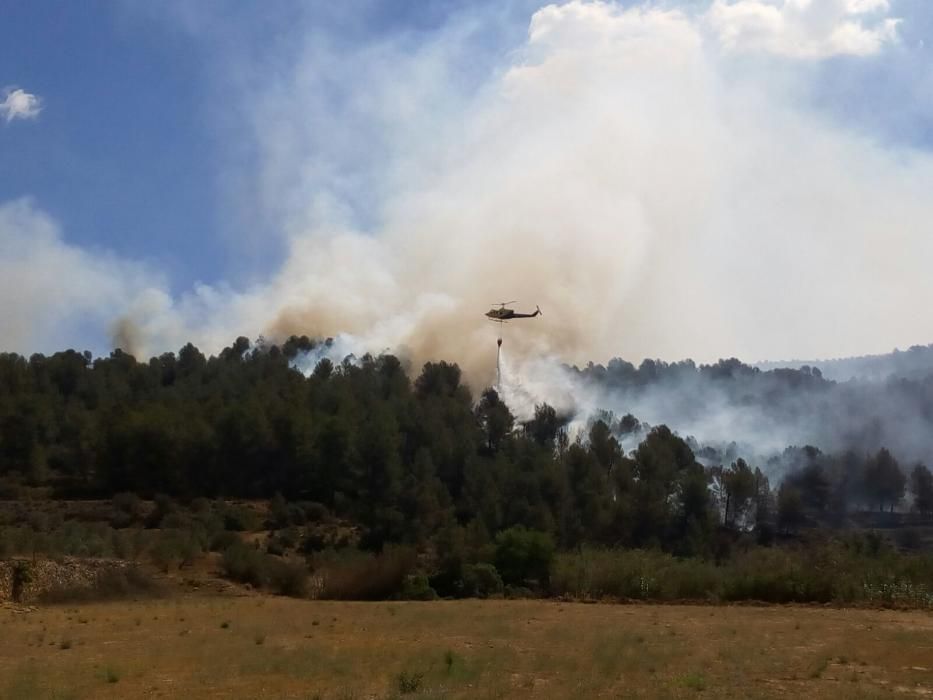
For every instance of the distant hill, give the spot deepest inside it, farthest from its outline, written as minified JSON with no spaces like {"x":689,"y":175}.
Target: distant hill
{"x":914,"y":363}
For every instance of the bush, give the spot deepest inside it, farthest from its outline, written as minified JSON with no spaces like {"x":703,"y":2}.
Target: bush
{"x":288,"y":578}
{"x":633,"y":574}
{"x":481,"y":581}
{"x":314,"y":542}
{"x":278,"y":512}
{"x":223,"y":540}
{"x":246,"y":565}
{"x":128,"y":509}
{"x":409,"y":682}
{"x":283,"y":541}
{"x":518,"y":593}
{"x":128,"y":544}
{"x":365,"y":576}
{"x":201,"y":506}
{"x":524,"y":556}
{"x":174,"y":548}
{"x":240,"y":519}
{"x":314,"y":512}
{"x":817,"y":573}
{"x":22,"y":577}
{"x":163,"y":506}
{"x":416,"y":587}
{"x":176,"y":520}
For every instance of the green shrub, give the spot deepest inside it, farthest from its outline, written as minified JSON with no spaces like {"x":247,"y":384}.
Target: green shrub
{"x":22,"y":577}
{"x":163,"y":506}
{"x":518,"y":592}
{"x":416,"y":587}
{"x":177,"y":520}
{"x":837,"y":572}
{"x":632,"y":574}
{"x":246,"y":565}
{"x":694,"y":681}
{"x":240,"y":519}
{"x":127,"y":543}
{"x":223,"y":540}
{"x":314,"y":512}
{"x":409,"y":682}
{"x":128,"y":509}
{"x":174,"y":548}
{"x":283,"y":541}
{"x":481,"y":581}
{"x":523,"y":555}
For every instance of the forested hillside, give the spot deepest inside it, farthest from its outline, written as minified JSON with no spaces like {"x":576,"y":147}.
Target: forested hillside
{"x":405,"y":459}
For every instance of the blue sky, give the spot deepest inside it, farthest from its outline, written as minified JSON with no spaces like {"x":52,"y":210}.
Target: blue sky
{"x":186,"y":143}
{"x":123,"y":153}
{"x":130,"y":150}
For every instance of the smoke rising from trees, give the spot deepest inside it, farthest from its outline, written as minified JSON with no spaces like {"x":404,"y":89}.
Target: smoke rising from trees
{"x":737,"y":410}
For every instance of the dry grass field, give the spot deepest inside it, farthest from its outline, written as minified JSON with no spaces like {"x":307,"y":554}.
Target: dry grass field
{"x":264,"y":647}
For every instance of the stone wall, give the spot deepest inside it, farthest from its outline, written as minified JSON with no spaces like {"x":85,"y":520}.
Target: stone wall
{"x":47,"y":574}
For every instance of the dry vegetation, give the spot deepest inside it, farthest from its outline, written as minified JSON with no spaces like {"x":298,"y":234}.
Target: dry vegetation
{"x":264,"y":647}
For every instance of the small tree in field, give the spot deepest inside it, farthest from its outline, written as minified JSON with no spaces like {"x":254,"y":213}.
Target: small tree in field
{"x":523,"y":555}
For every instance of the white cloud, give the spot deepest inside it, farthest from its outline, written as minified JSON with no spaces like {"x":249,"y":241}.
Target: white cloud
{"x":19,"y":104}
{"x":804,"y":28}
{"x":55,"y":295}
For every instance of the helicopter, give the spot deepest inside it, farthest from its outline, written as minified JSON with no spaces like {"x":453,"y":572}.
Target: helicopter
{"x":502,"y":314}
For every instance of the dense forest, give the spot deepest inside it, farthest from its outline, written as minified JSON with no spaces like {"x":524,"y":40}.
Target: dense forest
{"x":394,"y":454}
{"x":418,"y":462}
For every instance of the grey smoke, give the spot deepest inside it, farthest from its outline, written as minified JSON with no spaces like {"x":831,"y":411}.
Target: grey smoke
{"x":765,"y":411}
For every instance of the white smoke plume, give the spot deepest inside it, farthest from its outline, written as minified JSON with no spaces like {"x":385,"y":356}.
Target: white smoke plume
{"x":626,"y":168}
{"x":654,"y":196}
{"x":52,"y":290}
